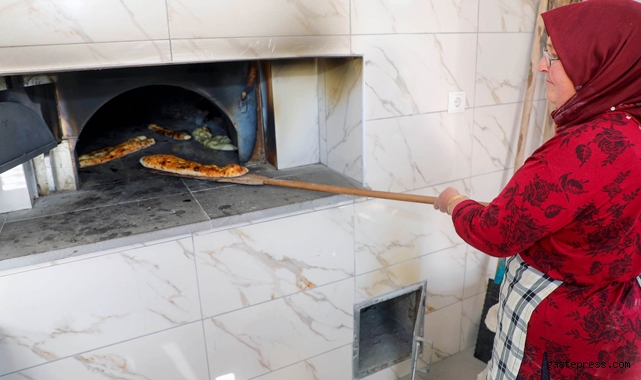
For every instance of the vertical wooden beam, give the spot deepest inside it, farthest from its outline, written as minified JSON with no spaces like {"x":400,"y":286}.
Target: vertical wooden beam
{"x":548,"y":125}
{"x":535,"y":57}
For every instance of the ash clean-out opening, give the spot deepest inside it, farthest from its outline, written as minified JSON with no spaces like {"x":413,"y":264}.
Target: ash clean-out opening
{"x":386,"y":331}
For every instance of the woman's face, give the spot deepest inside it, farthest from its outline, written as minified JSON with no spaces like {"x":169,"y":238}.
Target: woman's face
{"x":559,"y":87}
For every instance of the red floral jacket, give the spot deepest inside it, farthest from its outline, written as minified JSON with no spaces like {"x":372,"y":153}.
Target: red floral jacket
{"x":573,"y":211}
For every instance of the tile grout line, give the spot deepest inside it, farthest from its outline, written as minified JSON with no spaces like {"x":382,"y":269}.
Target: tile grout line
{"x":198,"y":203}
{"x":100,"y":348}
{"x":351,"y":52}
{"x":200,"y":304}
{"x":171,"y":47}
{"x":81,"y":257}
{"x":300,"y":361}
{"x":277,"y":298}
{"x":445,"y":111}
{"x":467,"y":248}
{"x":101,"y":207}
{"x":281,"y":216}
{"x":259,"y":36}
{"x":410,"y":259}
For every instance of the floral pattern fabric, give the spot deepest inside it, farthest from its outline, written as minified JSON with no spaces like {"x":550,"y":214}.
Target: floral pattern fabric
{"x":573,"y":212}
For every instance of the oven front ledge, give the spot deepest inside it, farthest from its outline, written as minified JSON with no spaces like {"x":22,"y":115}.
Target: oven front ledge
{"x":82,"y":222}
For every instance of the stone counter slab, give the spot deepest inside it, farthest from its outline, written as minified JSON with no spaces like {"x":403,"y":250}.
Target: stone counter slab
{"x":131,"y":212}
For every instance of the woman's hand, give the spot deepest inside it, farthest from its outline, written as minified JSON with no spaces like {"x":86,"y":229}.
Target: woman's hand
{"x":444,"y":198}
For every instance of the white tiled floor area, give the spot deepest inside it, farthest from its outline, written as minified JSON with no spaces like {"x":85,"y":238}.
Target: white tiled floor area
{"x":462,"y":366}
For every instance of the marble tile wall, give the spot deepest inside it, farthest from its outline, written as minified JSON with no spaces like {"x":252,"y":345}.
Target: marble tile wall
{"x":343,"y":116}
{"x":242,"y":300}
{"x":296,"y":119}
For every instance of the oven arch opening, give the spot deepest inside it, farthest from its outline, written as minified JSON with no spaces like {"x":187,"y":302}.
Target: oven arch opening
{"x":130,"y":113}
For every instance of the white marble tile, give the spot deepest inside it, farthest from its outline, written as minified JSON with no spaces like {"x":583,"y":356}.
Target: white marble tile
{"x":248,"y":18}
{"x":59,"y":311}
{"x":407,"y":153}
{"x":414,"y":16}
{"x":471,"y":319}
{"x":479,"y":268}
{"x":410,"y":74}
{"x":253,"y":264}
{"x":502,"y":67}
{"x":344,"y":116}
{"x":507,"y":15}
{"x":295,"y":99}
{"x":333,"y":365}
{"x":535,"y":130}
{"x":177,"y":353}
{"x":42,"y":22}
{"x":106,"y":252}
{"x":389,"y":232}
{"x":496,"y":131}
{"x":268,"y":218}
{"x":485,"y":188}
{"x":266,"y":337}
{"x":322,"y":109}
{"x":227,"y":49}
{"x":443,"y":327}
{"x":31,"y":59}
{"x":443,"y":270}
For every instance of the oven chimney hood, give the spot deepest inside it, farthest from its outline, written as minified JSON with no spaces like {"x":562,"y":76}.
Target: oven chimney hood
{"x":23,"y":135}
{"x":24,"y":130}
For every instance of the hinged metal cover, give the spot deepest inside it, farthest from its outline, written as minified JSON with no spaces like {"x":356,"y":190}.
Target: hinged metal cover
{"x":23,"y":135}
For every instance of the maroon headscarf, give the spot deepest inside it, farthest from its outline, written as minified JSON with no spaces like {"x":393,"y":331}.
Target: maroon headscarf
{"x":599,"y":43}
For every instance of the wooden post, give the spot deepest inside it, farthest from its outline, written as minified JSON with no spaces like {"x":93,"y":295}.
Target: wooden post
{"x":548,"y":124}
{"x":535,"y":57}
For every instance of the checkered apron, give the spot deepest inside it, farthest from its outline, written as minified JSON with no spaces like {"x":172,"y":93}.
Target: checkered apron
{"x":522,"y":290}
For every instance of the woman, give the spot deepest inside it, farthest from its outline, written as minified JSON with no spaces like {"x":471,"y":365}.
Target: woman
{"x":570,"y":218}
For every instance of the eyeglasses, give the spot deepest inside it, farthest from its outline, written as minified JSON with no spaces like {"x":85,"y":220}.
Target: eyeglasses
{"x":550,"y":59}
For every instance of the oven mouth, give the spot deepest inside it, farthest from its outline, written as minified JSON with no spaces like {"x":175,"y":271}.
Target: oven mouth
{"x":129,"y":115}
{"x":104,"y":108}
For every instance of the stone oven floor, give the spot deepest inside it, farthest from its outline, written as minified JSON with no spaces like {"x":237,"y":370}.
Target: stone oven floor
{"x":144,"y":207}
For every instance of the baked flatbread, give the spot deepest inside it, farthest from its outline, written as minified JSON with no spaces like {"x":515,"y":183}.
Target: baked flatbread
{"x":109,"y":153}
{"x":177,"y":165}
{"x":176,"y":135}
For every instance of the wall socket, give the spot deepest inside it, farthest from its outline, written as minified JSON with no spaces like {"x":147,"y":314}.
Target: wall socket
{"x":456,"y":102}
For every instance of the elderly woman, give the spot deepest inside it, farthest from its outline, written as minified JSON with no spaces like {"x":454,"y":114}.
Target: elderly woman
{"x":570,"y":219}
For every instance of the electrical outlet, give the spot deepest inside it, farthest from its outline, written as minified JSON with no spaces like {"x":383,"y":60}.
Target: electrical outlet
{"x":456,"y":102}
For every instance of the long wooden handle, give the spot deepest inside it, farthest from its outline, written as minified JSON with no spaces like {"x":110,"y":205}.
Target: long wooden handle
{"x":350,"y":191}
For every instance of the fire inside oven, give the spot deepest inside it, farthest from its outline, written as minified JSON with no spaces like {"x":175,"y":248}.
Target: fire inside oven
{"x":105,"y":108}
